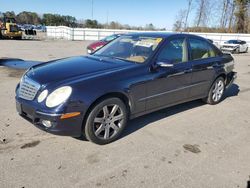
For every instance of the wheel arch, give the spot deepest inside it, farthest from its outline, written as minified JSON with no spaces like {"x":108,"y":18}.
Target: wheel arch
{"x":123,"y":97}
{"x":223,"y":75}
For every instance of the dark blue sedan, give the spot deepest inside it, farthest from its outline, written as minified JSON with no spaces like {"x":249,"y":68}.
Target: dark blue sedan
{"x":136,"y":74}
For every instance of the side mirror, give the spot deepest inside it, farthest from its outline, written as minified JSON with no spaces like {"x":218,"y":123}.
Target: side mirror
{"x":164,"y":64}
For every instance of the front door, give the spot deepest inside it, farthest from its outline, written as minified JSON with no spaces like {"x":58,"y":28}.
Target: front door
{"x":170,"y":85}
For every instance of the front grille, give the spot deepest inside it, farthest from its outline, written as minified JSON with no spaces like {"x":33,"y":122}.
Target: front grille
{"x":227,"y":47}
{"x":28,"y":89}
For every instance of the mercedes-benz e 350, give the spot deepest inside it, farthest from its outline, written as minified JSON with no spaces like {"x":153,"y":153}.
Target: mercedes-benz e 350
{"x":96,"y":95}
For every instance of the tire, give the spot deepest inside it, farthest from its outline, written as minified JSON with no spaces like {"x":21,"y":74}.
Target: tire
{"x":18,"y":38}
{"x":237,"y":51}
{"x":246,"y":50}
{"x":106,"y":121}
{"x":216,"y":92}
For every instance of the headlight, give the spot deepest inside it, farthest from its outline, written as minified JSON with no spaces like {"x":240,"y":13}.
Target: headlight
{"x":42,"y":96}
{"x":58,"y":96}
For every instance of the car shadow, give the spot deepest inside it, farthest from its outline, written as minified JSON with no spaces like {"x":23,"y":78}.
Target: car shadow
{"x":233,"y":91}
{"x":140,"y":122}
{"x":23,"y":39}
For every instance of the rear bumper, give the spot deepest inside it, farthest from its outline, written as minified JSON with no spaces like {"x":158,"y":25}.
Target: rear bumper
{"x":231,"y":77}
{"x":63,"y":127}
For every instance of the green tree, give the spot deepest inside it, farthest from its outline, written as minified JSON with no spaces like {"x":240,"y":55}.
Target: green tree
{"x":10,"y":14}
{"x":91,"y":24}
{"x":28,"y":18}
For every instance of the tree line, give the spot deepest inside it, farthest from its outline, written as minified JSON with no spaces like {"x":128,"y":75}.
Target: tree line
{"x":228,"y":16}
{"x":70,"y":21}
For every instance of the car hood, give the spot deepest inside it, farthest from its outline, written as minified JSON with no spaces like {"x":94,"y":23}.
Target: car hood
{"x":84,"y":67}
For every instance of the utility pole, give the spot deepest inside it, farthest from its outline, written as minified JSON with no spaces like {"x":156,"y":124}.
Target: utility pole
{"x":187,"y":14}
{"x":92,"y":13}
{"x":107,"y":19}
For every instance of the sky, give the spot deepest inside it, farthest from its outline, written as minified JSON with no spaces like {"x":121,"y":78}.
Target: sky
{"x":162,"y":13}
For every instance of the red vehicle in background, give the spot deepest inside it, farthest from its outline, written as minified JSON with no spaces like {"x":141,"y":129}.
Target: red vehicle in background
{"x":98,"y":44}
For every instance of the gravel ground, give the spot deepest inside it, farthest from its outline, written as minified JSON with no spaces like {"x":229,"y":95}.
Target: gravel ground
{"x":190,"y":145}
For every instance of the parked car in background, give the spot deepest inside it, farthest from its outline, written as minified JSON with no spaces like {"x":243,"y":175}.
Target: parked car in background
{"x":136,"y":74}
{"x":235,"y":46}
{"x":98,"y":44}
{"x":24,"y":27}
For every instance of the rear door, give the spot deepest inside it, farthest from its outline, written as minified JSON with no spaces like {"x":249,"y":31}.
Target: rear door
{"x":203,"y":57}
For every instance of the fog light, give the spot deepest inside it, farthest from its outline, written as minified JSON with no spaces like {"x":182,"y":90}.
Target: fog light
{"x":47,"y":123}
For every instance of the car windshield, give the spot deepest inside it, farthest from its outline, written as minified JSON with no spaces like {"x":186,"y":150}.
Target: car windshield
{"x":130,"y":48}
{"x":233,"y":42}
{"x":110,"y":38}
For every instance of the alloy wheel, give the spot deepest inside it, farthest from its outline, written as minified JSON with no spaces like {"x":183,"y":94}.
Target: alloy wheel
{"x":108,"y":121}
{"x":218,"y":90}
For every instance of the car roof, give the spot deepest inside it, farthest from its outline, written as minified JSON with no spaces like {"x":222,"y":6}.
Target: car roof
{"x":162,"y":34}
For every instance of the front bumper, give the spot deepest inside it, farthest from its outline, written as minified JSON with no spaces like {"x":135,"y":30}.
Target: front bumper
{"x":65,"y":127}
{"x":13,"y":34}
{"x":230,"y":50}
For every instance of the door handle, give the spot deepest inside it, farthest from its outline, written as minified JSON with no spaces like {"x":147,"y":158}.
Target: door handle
{"x":216,"y":65}
{"x":188,"y":70}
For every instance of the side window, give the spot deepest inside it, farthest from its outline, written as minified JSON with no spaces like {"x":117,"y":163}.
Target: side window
{"x":175,"y":51}
{"x":201,"y":49}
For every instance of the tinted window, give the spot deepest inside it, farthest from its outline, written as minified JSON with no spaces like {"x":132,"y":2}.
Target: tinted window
{"x":201,"y":49}
{"x":175,"y":51}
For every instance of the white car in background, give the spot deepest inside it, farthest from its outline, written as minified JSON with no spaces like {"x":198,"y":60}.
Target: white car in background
{"x":235,"y":46}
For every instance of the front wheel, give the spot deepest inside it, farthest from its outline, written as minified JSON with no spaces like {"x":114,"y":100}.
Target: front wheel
{"x":237,"y":51}
{"x":18,"y":38}
{"x":216,"y":92}
{"x":106,"y":121}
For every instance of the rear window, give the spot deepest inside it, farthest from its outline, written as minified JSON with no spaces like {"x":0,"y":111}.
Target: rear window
{"x":201,"y":49}
{"x":14,"y":28}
